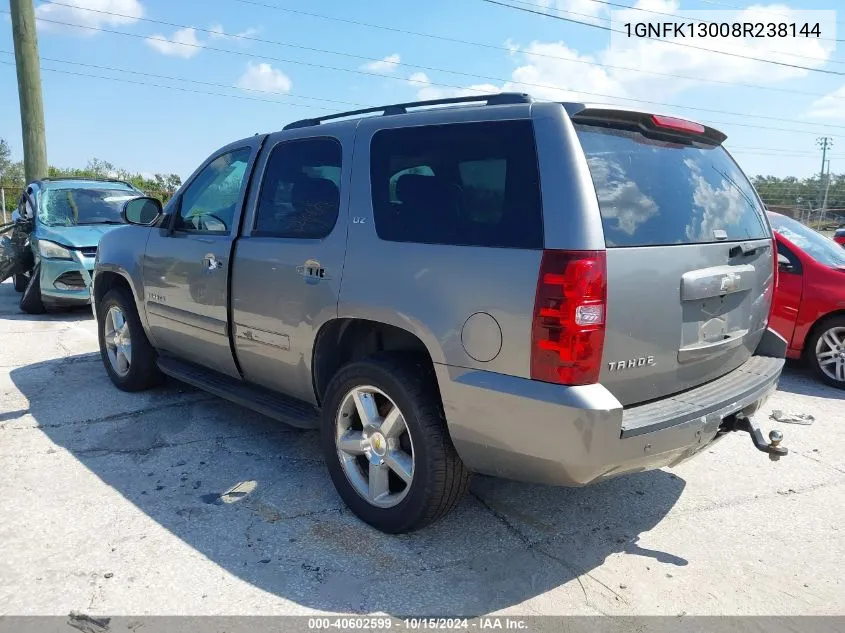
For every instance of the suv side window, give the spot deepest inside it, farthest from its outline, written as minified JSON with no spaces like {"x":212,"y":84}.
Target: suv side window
{"x":470,"y":184}
{"x":209,"y":203}
{"x":300,"y":192}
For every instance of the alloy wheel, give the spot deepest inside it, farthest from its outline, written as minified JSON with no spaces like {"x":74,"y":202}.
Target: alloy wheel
{"x":830,"y":353}
{"x":374,"y":446}
{"x":118,"y":341}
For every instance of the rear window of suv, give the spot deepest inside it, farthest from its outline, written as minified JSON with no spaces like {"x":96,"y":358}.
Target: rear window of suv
{"x":468,"y":184}
{"x":661,"y":193}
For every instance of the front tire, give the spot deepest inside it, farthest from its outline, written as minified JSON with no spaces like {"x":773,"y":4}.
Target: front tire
{"x":31,"y":302}
{"x":129,"y":358}
{"x":20,"y":282}
{"x":386,"y":444}
{"x":826,"y":351}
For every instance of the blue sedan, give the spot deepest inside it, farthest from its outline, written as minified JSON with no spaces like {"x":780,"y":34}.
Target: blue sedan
{"x":70,"y":217}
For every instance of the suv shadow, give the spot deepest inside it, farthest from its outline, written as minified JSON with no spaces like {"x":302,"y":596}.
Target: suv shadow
{"x":253,"y":496}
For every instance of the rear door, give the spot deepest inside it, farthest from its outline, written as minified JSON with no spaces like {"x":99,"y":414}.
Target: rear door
{"x":689,"y":256}
{"x":288,"y":264}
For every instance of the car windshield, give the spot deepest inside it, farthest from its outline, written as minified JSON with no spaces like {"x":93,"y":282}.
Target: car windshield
{"x":80,"y":207}
{"x":822,"y":249}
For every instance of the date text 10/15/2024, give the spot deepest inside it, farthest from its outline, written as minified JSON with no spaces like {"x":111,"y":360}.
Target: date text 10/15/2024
{"x":418,"y":624}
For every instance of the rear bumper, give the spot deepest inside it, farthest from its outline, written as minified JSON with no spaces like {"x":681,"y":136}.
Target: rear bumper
{"x":538,"y":432}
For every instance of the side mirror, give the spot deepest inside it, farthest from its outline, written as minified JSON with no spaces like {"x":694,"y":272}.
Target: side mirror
{"x":142,"y":211}
{"x":784,"y":265}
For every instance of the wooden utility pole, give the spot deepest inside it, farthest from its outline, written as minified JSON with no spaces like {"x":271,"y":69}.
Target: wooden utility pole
{"x":29,"y":89}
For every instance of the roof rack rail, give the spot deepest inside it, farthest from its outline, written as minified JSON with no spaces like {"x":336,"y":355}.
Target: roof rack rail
{"x":501,"y":98}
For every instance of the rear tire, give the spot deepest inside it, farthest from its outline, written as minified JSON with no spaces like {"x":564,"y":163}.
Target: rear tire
{"x":825,"y":351}
{"x":20,"y":282}
{"x":127,"y":354}
{"x":433,"y":478}
{"x":31,"y":302}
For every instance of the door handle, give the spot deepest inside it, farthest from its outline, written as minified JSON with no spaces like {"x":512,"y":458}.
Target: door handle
{"x":212,"y":263}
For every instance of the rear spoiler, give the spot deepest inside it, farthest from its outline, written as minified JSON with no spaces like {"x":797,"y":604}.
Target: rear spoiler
{"x":654,"y":125}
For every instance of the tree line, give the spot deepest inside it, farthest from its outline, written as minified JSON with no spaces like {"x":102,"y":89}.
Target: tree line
{"x":803,"y":193}
{"x":12,"y":179}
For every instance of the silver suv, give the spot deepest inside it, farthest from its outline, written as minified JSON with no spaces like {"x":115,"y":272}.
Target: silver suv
{"x":555,"y":293}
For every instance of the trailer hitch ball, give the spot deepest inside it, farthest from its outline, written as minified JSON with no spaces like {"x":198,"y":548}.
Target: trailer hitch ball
{"x":775,"y":438}
{"x":773,"y":448}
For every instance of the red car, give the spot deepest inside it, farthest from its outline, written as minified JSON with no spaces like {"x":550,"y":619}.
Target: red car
{"x":839,"y":236}
{"x":809,"y":304}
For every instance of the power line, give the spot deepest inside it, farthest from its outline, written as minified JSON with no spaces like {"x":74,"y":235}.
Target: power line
{"x":673,"y":42}
{"x":766,"y":150}
{"x":442,"y":85}
{"x":195,"y":81}
{"x":528,"y":53}
{"x":189,"y":90}
{"x":677,"y":17}
{"x":308,"y":106}
{"x":251,"y":38}
{"x":751,"y":9}
{"x":663,"y":13}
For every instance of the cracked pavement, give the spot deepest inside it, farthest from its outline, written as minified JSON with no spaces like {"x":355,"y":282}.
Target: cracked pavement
{"x":114,"y":504}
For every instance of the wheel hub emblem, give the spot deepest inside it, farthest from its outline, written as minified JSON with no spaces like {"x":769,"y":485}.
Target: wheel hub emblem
{"x":378,"y":444}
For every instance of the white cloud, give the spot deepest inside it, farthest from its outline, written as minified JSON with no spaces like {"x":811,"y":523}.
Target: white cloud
{"x":620,"y":196}
{"x":555,"y":70}
{"x":183,"y":43}
{"x":217,"y":32}
{"x":264,"y":78}
{"x":722,"y":58}
{"x":831,"y":106}
{"x":385,"y":66}
{"x":128,"y":12}
{"x":556,"y":65}
{"x":566,"y":79}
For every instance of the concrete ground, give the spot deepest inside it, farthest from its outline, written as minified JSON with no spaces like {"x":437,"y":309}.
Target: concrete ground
{"x":112,"y":505}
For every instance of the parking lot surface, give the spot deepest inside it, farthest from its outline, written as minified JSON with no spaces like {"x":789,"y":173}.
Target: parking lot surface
{"x":176,"y":502}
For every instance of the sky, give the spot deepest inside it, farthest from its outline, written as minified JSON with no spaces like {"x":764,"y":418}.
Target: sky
{"x":155,"y":86}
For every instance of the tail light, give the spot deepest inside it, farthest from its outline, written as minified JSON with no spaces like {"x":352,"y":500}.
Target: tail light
{"x":567,"y":335}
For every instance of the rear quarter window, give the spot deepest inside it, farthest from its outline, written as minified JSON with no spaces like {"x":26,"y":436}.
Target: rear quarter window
{"x":654,"y":192}
{"x":470,"y":184}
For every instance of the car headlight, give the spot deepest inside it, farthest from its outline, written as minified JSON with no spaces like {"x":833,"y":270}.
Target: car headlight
{"x":51,"y":250}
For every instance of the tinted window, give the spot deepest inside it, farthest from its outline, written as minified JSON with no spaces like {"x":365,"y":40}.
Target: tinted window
{"x":655,"y":192}
{"x":823,"y":249}
{"x":472,"y":184}
{"x":209,"y":203}
{"x":300,"y":193}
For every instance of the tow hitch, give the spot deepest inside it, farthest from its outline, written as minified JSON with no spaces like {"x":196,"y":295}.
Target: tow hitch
{"x":742,"y":422}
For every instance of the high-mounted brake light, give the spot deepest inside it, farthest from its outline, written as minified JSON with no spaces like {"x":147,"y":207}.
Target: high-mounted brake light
{"x":567,"y":335}
{"x":681,"y":125}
